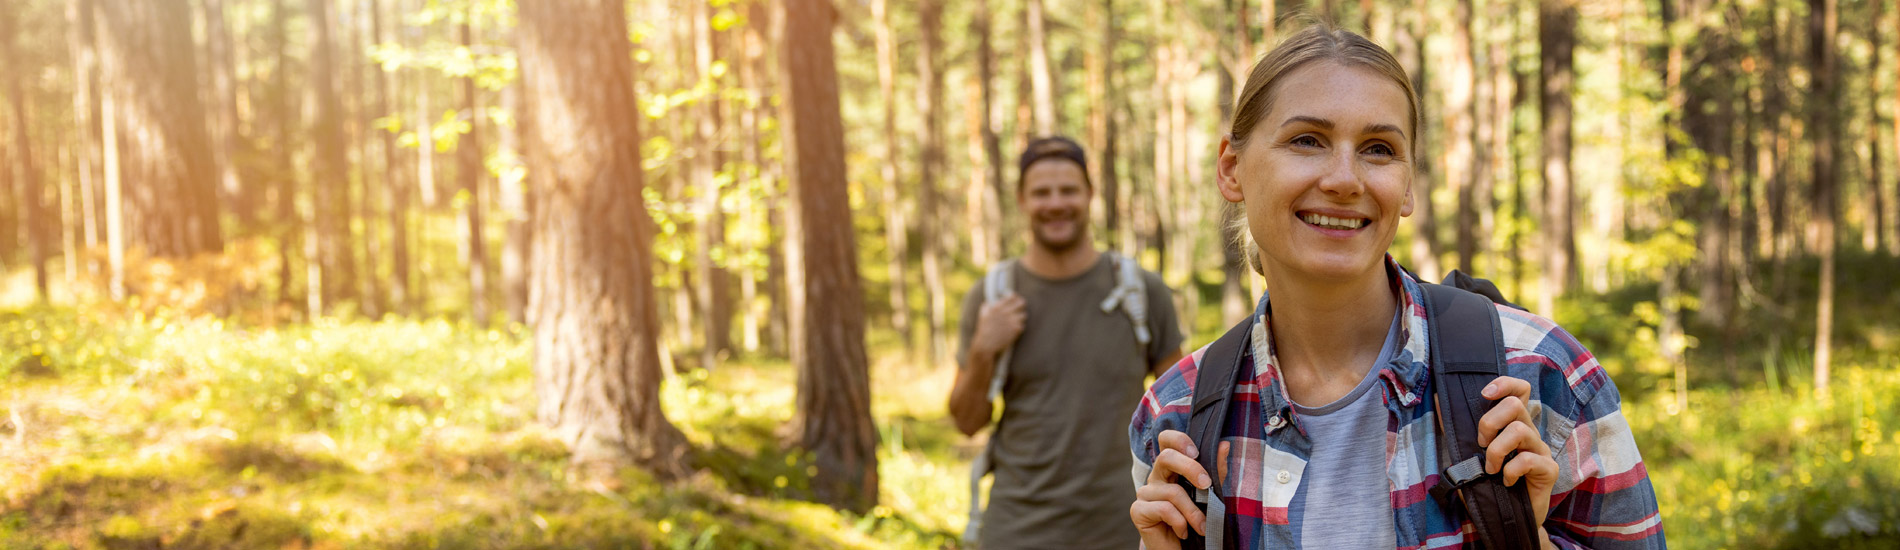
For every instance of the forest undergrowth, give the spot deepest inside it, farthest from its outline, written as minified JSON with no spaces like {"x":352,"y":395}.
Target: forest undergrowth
{"x":126,"y":429}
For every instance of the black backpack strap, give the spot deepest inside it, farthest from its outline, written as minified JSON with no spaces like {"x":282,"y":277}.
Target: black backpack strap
{"x":1213,"y":394}
{"x":1467,"y":348}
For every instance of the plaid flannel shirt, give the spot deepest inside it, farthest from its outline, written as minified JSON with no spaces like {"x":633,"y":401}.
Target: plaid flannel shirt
{"x":1602,"y":499}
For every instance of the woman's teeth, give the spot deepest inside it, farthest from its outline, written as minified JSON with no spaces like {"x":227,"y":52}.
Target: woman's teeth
{"x":1330,"y":222}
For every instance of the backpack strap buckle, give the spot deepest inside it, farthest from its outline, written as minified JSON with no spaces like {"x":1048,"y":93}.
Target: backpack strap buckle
{"x":1457,"y":477}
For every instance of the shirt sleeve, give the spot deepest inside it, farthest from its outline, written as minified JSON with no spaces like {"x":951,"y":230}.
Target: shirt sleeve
{"x":1163,"y":322}
{"x":1603,"y":497}
{"x":1166,"y":405}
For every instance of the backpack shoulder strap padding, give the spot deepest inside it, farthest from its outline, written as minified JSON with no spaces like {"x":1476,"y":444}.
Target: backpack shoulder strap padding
{"x":1213,"y":396}
{"x":1130,"y":294}
{"x":1467,"y":353}
{"x":999,"y":283}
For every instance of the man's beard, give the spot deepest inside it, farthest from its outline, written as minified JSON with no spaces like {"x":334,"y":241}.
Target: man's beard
{"x":1076,"y":238}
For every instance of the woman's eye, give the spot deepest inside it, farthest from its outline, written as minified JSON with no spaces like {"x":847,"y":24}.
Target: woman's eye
{"x":1380,"y":149}
{"x":1306,"y":141}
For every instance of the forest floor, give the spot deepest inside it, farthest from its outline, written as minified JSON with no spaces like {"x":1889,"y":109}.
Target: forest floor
{"x":127,"y":430}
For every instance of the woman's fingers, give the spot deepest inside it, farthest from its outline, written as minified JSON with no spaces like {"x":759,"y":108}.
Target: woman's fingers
{"x":1514,"y":396}
{"x":1170,"y":463}
{"x":1539,"y":469}
{"x":1184,"y":505}
{"x":1156,"y":517}
{"x":1519,"y":436}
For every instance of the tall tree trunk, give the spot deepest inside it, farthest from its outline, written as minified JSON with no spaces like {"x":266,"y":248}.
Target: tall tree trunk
{"x":227,"y":141}
{"x":470,"y":170}
{"x":80,"y":27}
{"x":330,"y":165}
{"x":833,"y":416}
{"x":711,"y":294}
{"x":1041,"y":79}
{"x":1873,"y":238}
{"x":1461,"y":171}
{"x":1823,"y":24}
{"x":26,"y":174}
{"x":930,"y":103}
{"x":1104,"y":144}
{"x":166,"y":155}
{"x":1557,"y":29}
{"x":285,"y":117}
{"x":993,"y":195}
{"x":1234,"y":304}
{"x":596,"y":354}
{"x":362,"y":203}
{"x":1413,"y":41}
{"x":515,"y":203}
{"x":114,"y":188}
{"x":983,"y":248}
{"x":895,"y":229}
{"x":396,"y":195}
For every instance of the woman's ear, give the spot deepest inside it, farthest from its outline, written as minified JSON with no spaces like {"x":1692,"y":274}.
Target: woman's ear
{"x":1228,"y":169}
{"x":1405,"y":209}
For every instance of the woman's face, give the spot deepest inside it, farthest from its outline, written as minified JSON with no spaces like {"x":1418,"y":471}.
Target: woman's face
{"x":1326,"y":174}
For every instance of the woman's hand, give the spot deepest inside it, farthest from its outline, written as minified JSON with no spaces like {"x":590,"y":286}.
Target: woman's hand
{"x":1163,"y":511}
{"x":1508,"y":428}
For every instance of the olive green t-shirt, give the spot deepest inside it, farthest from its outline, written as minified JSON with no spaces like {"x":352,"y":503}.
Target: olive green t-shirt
{"x":1075,"y":378}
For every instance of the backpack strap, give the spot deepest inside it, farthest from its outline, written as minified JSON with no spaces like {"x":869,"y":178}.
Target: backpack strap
{"x":1131,"y":295}
{"x":1213,"y":396}
{"x":999,"y":283}
{"x":1467,"y":353}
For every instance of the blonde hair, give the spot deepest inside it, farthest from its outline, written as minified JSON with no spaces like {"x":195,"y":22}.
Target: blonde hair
{"x":1315,"y":43}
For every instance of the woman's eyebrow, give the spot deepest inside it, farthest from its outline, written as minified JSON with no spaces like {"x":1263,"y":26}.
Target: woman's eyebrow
{"x":1320,"y":122}
{"x":1380,"y":128}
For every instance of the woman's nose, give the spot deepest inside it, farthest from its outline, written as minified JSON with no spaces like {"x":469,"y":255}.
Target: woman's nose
{"x":1344,"y":174}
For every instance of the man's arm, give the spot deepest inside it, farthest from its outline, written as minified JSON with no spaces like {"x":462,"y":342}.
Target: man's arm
{"x":970,"y":404}
{"x":997,"y":326}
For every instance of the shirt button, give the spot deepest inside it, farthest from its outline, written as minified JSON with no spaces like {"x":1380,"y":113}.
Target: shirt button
{"x":1284,"y":476}
{"x":1275,"y":421}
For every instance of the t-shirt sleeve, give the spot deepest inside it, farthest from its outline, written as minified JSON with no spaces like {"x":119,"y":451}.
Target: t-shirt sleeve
{"x":1163,"y":323}
{"x":966,"y":322}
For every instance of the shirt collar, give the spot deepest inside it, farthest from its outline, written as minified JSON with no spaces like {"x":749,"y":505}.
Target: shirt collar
{"x":1406,"y":373}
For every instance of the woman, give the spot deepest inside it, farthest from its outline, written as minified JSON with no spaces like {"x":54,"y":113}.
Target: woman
{"x":1320,"y":159}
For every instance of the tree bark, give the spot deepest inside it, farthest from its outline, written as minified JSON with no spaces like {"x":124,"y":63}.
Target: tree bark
{"x":470,"y":170}
{"x":896,"y":228}
{"x":833,"y":416}
{"x":994,"y":195}
{"x":80,"y":30}
{"x":715,"y":319}
{"x":166,"y":158}
{"x":396,"y":195}
{"x":330,"y":188}
{"x":224,"y":114}
{"x":930,"y":166}
{"x":591,"y":301}
{"x":1413,"y":41}
{"x":1874,"y":236}
{"x":26,"y":174}
{"x":1460,"y":132}
{"x":1557,"y":27}
{"x":1823,"y":24}
{"x":1112,"y":205}
{"x":1041,"y":80}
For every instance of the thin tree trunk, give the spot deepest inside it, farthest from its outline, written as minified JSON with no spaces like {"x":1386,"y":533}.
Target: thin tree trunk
{"x":1874,"y":236}
{"x":288,"y":221}
{"x":226,"y":136}
{"x":469,"y":151}
{"x":396,"y":196}
{"x":1234,"y":304}
{"x":80,"y":27}
{"x":711,"y":294}
{"x":26,"y":175}
{"x":983,"y":249}
{"x":1040,"y":78}
{"x":115,"y":192}
{"x":596,"y":358}
{"x":1557,"y":24}
{"x":167,"y":154}
{"x":832,"y":418}
{"x":330,"y":206}
{"x":896,"y":228}
{"x":930,"y":101}
{"x":1461,"y":171}
{"x":993,"y":195}
{"x":1425,"y":241}
{"x":1823,"y":24}
{"x":369,"y":287}
{"x":1112,"y":205}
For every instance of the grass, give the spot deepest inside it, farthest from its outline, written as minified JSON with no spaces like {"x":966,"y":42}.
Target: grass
{"x":139,"y":432}
{"x":122,"y":429}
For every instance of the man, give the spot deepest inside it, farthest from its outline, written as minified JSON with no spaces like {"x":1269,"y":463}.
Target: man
{"x":1074,"y":372}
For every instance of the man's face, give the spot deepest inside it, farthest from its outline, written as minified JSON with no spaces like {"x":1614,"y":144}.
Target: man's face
{"x":1055,"y":196}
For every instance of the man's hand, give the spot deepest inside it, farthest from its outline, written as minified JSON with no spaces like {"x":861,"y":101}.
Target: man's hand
{"x":1508,"y":428}
{"x":1163,"y":511}
{"x":998,"y":325}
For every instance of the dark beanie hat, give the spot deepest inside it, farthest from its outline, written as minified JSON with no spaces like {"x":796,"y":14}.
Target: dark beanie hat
{"x":1052,"y":147}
